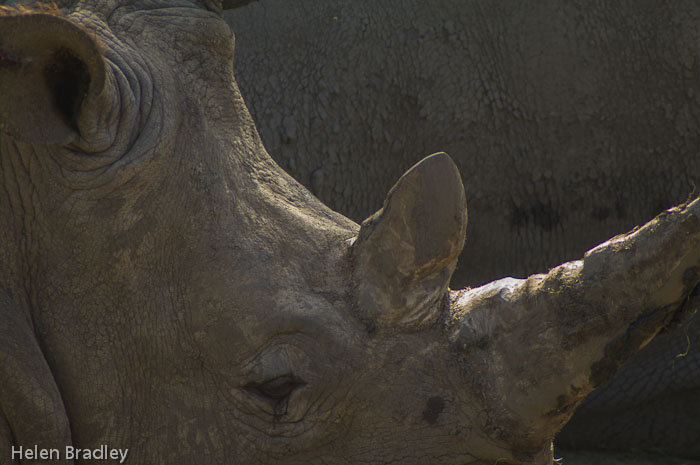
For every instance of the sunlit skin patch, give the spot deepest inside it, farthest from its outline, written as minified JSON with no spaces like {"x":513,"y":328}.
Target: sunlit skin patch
{"x":41,"y":7}
{"x":44,"y":8}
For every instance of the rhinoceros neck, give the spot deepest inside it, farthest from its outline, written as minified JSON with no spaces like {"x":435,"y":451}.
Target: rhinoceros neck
{"x":11,"y":226}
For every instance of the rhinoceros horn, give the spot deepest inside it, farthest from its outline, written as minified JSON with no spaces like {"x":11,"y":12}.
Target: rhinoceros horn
{"x":406,"y":252}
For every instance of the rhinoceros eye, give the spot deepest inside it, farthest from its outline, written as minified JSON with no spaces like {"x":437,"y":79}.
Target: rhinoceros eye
{"x":276,"y":389}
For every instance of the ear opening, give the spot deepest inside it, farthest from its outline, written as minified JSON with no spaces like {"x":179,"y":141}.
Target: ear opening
{"x":51,"y":68}
{"x":68,"y":80}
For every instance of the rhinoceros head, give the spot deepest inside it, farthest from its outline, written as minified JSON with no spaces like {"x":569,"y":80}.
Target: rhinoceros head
{"x":166,"y":288}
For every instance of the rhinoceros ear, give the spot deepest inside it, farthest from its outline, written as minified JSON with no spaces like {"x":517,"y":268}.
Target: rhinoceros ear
{"x":50,"y":69}
{"x":406,"y":252}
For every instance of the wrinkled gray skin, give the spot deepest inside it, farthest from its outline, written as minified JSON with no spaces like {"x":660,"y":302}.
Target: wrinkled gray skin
{"x":166,"y":287}
{"x":569,"y":121}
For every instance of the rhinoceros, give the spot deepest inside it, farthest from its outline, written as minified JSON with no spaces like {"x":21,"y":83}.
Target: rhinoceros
{"x":169,"y":295}
{"x":570,"y":121}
